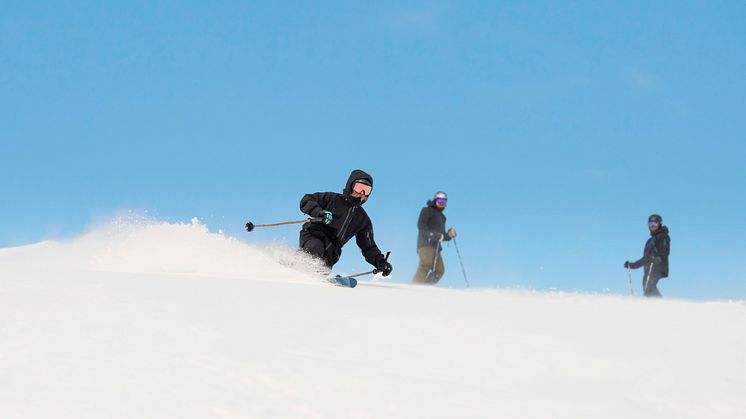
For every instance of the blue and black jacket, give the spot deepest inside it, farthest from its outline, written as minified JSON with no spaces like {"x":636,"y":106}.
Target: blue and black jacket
{"x":656,"y":252}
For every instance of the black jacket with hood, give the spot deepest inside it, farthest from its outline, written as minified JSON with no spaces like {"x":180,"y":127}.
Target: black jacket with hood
{"x":349,"y":220}
{"x":431,"y":224}
{"x":656,"y":252}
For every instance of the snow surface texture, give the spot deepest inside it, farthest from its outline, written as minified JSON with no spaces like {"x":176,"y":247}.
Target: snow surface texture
{"x":157,"y":320}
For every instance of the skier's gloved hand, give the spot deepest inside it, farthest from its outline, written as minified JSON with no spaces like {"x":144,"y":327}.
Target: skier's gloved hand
{"x":626,"y":265}
{"x":383,"y":266}
{"x":451,"y":233}
{"x":325,"y":216}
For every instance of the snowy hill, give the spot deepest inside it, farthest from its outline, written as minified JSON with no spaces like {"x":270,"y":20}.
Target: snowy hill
{"x":157,"y":320}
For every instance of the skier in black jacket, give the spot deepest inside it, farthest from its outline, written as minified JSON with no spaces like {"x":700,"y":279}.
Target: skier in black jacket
{"x":342,"y":217}
{"x":655,"y":256}
{"x":432,"y":231}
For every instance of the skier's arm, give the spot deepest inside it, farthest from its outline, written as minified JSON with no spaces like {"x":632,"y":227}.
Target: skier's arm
{"x":367,"y":244}
{"x":313,"y":204}
{"x":423,"y":224}
{"x":637,"y":264}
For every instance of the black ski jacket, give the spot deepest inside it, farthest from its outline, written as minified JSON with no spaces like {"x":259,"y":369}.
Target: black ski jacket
{"x":349,"y":220}
{"x":656,"y":252}
{"x":431,"y":224}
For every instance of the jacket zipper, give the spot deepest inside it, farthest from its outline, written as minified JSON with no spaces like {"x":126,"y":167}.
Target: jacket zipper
{"x":345,"y":224}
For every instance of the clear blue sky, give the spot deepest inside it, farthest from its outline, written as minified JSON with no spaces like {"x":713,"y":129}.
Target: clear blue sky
{"x":555,"y":127}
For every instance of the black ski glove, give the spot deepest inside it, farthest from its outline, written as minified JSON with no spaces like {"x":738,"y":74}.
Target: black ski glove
{"x":383,"y":266}
{"x":325,"y":217}
{"x":626,"y":265}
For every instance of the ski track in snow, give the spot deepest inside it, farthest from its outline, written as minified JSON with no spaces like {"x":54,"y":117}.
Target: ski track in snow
{"x":155,"y":320}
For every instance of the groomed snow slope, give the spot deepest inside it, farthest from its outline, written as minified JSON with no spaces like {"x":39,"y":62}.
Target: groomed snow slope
{"x":156,"y":320}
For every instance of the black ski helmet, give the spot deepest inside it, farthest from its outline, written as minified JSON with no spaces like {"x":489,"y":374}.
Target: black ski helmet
{"x":657,"y":218}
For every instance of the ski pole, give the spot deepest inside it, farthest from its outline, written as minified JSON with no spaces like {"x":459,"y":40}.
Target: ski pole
{"x":373,"y":272}
{"x":460,"y":262}
{"x":251,"y":226}
{"x":645,"y":291}
{"x":431,"y":276}
{"x":631,"y":290}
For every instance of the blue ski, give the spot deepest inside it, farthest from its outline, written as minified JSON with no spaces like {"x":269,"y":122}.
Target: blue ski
{"x":344,"y":281}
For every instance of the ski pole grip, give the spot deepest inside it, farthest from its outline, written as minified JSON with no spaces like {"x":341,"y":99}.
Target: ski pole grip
{"x":375,"y":271}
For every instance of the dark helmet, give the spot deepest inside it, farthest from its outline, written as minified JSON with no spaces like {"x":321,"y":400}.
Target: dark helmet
{"x":657,"y":218}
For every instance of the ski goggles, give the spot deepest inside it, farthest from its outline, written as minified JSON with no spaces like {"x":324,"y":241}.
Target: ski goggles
{"x":362,"y":189}
{"x":653,"y":224}
{"x":441,"y":201}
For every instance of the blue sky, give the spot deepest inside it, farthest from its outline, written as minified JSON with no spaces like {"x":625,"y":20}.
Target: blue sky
{"x":556,"y":128}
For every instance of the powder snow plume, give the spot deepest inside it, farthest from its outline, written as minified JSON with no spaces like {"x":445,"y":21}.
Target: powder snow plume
{"x":146,"y":245}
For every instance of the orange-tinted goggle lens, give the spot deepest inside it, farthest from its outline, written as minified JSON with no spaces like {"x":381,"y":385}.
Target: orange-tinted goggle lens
{"x":362,"y":189}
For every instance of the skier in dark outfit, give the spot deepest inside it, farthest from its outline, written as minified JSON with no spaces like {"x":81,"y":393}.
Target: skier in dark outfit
{"x":342,"y":217}
{"x":432,"y":231}
{"x":655,"y":256}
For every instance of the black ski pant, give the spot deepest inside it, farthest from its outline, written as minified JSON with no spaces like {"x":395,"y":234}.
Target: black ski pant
{"x":650,"y":285}
{"x":320,"y":246}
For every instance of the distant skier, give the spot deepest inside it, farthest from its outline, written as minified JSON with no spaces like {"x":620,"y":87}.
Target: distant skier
{"x":432,"y":231}
{"x":342,"y":218}
{"x":655,"y":256}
